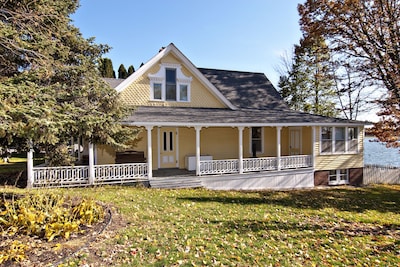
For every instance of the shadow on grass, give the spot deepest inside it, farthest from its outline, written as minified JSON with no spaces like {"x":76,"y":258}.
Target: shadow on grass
{"x":314,"y":229}
{"x":379,"y":198}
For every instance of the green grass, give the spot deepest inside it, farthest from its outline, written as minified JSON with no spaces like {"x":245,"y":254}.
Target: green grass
{"x":341,"y":226}
{"x":338,"y":227}
{"x":17,"y":163}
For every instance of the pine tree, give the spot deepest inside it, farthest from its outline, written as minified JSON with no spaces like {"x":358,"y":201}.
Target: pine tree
{"x":122,"y":73}
{"x":59,"y":94}
{"x":106,"y":68}
{"x":131,"y":70}
{"x":308,"y":84}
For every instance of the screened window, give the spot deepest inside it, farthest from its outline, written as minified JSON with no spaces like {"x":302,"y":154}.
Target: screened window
{"x":339,"y":139}
{"x":352,"y":137}
{"x":326,"y":139}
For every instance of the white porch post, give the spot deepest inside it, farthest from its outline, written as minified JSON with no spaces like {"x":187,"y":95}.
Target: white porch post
{"x":240,"y":149}
{"x":278,"y":146}
{"x":91,"y":164}
{"x":149,"y":153}
{"x":198,"y":129}
{"x":29,"y":167}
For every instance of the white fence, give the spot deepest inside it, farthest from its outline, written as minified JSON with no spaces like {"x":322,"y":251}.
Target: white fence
{"x":79,"y":175}
{"x":255,"y":164}
{"x":376,"y":174}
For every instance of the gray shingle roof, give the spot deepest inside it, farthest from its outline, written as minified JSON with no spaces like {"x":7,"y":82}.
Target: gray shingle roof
{"x":113,"y":82}
{"x":184,"y":116}
{"x":245,"y":89}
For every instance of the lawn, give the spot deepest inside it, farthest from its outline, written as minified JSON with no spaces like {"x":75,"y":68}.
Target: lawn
{"x":342,"y":226}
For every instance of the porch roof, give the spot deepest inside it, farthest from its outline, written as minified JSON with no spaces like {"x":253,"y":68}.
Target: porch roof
{"x":181,"y":116}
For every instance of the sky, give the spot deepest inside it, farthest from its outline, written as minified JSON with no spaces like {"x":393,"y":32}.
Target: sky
{"x":243,"y":35}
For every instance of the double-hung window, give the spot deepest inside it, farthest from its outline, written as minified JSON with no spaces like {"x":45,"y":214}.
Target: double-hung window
{"x":352,"y":139}
{"x":339,"y":140}
{"x":256,"y":140}
{"x":170,"y":84}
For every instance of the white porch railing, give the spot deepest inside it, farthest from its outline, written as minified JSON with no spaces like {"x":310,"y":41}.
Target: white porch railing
{"x":60,"y":176}
{"x":254,"y":164}
{"x":219,"y":166}
{"x":294,"y":162}
{"x":259,"y":164}
{"x":69,"y":176}
{"x":120,"y":173}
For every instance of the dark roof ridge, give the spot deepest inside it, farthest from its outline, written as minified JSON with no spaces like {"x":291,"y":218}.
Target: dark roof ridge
{"x":238,"y":71}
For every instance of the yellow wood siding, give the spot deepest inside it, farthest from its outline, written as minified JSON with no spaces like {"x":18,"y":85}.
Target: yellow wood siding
{"x":306,"y":140}
{"x":187,"y":145}
{"x":138,"y":93}
{"x":105,"y":154}
{"x":221,"y":143}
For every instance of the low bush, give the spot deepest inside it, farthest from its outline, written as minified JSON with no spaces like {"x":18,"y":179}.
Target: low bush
{"x":45,"y":216}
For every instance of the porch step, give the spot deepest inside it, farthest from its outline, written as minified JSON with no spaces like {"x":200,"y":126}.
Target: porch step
{"x":175,"y":182}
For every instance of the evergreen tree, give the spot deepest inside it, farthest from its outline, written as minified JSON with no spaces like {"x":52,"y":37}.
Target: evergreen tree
{"x":131,"y":70}
{"x":122,"y":73}
{"x":106,"y":68}
{"x":50,"y":88}
{"x":308,"y":84}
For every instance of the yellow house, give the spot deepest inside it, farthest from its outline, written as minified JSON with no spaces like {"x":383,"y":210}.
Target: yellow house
{"x":232,"y":129}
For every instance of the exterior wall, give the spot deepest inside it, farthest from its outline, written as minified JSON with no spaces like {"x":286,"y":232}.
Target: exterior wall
{"x":270,"y":140}
{"x":306,"y":141}
{"x":321,"y":178}
{"x":187,"y":145}
{"x":138,"y":93}
{"x":105,"y":154}
{"x":221,"y":143}
{"x":338,"y":161}
{"x":356,"y":176}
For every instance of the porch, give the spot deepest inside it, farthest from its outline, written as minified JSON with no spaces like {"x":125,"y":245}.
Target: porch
{"x":258,"y":173}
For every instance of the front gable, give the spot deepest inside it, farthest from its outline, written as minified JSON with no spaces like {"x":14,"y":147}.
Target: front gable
{"x":170,"y":79}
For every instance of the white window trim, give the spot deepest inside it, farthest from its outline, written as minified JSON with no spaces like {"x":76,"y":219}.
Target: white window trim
{"x":338,"y":181}
{"x":347,"y":140}
{"x":159,"y":78}
{"x":251,"y":141}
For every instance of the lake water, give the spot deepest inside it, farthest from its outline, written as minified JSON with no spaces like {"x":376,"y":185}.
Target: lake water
{"x":378,"y":153}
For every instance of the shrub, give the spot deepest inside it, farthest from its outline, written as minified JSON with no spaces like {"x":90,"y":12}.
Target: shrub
{"x":46,"y":216}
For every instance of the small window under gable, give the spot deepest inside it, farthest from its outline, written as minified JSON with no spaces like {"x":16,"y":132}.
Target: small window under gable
{"x":170,"y":84}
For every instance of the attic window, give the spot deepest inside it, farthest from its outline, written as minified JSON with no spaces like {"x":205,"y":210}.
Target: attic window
{"x":170,"y":84}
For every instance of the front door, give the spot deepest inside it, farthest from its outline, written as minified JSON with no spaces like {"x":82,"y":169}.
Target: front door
{"x":295,"y":141}
{"x":168,"y":157}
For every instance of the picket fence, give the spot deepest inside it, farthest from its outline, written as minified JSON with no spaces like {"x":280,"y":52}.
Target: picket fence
{"x":378,"y":174}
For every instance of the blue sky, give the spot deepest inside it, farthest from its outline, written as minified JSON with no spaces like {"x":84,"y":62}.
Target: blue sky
{"x":246,"y":35}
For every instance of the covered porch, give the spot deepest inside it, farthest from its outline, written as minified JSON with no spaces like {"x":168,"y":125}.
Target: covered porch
{"x":216,"y":150}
